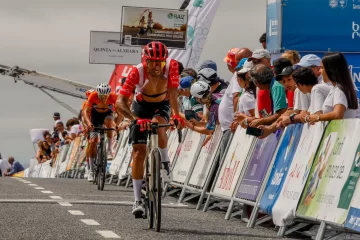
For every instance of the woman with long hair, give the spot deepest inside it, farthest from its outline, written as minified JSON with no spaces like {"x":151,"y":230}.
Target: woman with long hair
{"x":44,"y":152}
{"x":341,"y":102}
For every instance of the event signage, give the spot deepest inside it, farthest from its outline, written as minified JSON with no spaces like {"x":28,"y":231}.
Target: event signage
{"x":298,"y":174}
{"x":273,"y":26}
{"x":280,"y":169}
{"x":105,"y":48}
{"x":334,"y":174}
{"x":140,"y":25}
{"x":234,"y":162}
{"x":258,"y":165}
{"x":325,"y":25}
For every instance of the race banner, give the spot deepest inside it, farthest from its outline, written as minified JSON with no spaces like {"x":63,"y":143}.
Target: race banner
{"x":273,"y":25}
{"x":298,"y":174}
{"x":205,"y":160}
{"x":334,"y":174}
{"x":121,"y":71}
{"x":234,"y":161}
{"x":201,"y":15}
{"x":258,"y":165}
{"x":186,"y":156}
{"x":280,"y":168}
{"x":105,"y":48}
{"x":140,"y":25}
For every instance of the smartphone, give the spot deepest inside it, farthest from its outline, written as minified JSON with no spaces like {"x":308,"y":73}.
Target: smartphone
{"x":190,"y":114}
{"x":257,"y":132}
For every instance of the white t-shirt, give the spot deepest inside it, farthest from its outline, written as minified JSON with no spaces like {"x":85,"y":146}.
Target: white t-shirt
{"x":247,"y":102}
{"x":318,"y":95}
{"x":4,"y":165}
{"x":226,"y":107}
{"x":301,"y":100}
{"x":337,"y":96}
{"x":75,"y":129}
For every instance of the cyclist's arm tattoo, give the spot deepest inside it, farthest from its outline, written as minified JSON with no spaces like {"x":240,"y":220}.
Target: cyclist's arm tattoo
{"x":174,"y":100}
{"x":123,"y":107}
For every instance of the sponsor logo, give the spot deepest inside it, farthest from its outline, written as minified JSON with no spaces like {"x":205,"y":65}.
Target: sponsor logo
{"x":273,"y":26}
{"x":176,"y":16}
{"x":356,"y":4}
{"x":344,"y":3}
{"x":355,"y":29}
{"x":333,"y":3}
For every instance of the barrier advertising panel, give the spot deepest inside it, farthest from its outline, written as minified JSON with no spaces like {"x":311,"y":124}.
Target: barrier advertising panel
{"x":233,"y":163}
{"x":258,"y":165}
{"x":205,"y":160}
{"x":298,"y":174}
{"x":105,"y":48}
{"x":116,"y":163}
{"x":330,"y":187}
{"x":186,"y":156}
{"x":74,"y":153}
{"x":140,"y":25}
{"x":126,"y":162}
{"x":173,"y":144}
{"x":283,"y":158}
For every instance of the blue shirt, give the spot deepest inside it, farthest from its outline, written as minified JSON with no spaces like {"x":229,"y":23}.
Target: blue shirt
{"x":214,"y":111}
{"x":15,"y":168}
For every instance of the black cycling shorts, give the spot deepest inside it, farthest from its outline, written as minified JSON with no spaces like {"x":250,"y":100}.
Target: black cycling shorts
{"x":147,"y":110}
{"x":98,"y":118}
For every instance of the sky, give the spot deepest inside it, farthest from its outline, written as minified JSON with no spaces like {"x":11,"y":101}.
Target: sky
{"x":53,"y":37}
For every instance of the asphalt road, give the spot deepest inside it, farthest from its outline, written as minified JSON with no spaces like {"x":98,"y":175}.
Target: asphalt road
{"x":75,"y":209}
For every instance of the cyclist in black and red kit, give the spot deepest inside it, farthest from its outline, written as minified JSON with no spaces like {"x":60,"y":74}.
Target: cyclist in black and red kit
{"x":156,"y":80}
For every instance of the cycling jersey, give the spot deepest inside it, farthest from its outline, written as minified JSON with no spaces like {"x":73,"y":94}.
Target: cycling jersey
{"x":137,"y":77}
{"x":94,"y":100}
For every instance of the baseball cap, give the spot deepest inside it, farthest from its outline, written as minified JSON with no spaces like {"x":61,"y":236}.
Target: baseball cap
{"x":208,"y":64}
{"x":241,"y":64}
{"x":186,"y":82}
{"x":308,"y":60}
{"x":246,"y":67}
{"x":285,"y":72}
{"x":230,"y":58}
{"x":259,"y":53}
{"x":56,"y":114}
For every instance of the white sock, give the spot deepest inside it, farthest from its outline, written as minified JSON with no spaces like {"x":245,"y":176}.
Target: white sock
{"x":87,"y":164}
{"x":109,"y":146}
{"x":164,"y":155}
{"x":137,"y":184}
{"x":91,"y":164}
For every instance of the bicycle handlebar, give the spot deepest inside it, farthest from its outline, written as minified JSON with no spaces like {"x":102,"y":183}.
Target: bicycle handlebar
{"x":157,"y":126}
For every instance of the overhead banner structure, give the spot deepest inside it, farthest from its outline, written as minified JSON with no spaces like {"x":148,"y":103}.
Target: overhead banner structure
{"x":298,"y":174}
{"x":233,"y":163}
{"x":105,"y":48}
{"x":201,"y":15}
{"x":283,"y":159}
{"x":139,"y":26}
{"x":330,"y":186}
{"x":257,"y":167}
{"x":340,"y":33}
{"x":273,"y":26}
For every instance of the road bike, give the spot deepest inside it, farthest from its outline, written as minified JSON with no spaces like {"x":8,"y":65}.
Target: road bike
{"x":152,"y":191}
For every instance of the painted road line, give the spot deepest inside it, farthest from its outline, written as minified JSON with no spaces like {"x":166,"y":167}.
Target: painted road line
{"x":76,"y":212}
{"x":33,"y":185}
{"x":108,"y":234}
{"x":56,"y":197}
{"x":65,"y":204}
{"x":39,"y":188}
{"x":46,"y":191}
{"x":90,"y":222}
{"x":26,"y":182}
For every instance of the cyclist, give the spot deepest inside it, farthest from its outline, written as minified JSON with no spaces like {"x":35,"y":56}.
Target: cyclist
{"x":156,"y":80}
{"x":100,"y":106}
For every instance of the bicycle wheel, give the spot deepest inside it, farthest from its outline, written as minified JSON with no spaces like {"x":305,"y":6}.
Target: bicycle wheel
{"x":98,"y":166}
{"x":149,"y":206}
{"x":157,"y":191}
{"x":103,"y":167}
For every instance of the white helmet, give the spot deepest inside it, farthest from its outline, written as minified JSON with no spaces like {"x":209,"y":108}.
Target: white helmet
{"x":208,"y":75}
{"x":200,"y":89}
{"x":103,"y":88}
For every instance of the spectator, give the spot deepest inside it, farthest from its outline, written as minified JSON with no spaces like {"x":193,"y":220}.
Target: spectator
{"x":48,"y":139}
{"x":230,"y":98}
{"x":341,"y":102}
{"x":184,"y":93}
{"x":279,"y":65}
{"x":313,"y":62}
{"x":208,"y":64}
{"x":181,"y":67}
{"x":44,"y":152}
{"x":56,"y":118}
{"x":247,"y":101}
{"x":61,"y":131}
{"x":263,"y":77}
{"x":292,"y":55}
{"x":4,"y":166}
{"x":262,"y":40}
{"x":262,"y":56}
{"x":73,"y":128}
{"x":15,"y":167}
{"x":189,"y":72}
{"x":201,"y":91}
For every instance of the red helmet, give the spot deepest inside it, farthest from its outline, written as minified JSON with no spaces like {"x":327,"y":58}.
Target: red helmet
{"x":155,"y":51}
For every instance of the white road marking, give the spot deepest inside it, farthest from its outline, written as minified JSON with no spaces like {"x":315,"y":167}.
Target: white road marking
{"x":46,"y":191}
{"x":56,"y":197}
{"x":39,"y":188}
{"x":26,"y":182}
{"x":65,"y":204}
{"x":108,"y":234}
{"x":90,"y":222}
{"x":76,"y":212}
{"x":33,"y":185}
